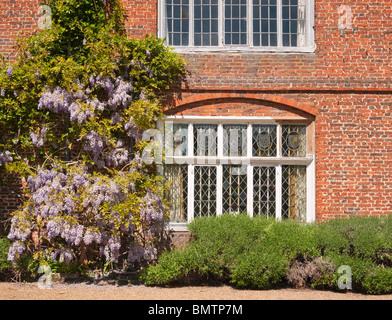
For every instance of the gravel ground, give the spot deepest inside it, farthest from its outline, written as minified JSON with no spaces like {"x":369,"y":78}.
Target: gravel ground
{"x":86,"y":291}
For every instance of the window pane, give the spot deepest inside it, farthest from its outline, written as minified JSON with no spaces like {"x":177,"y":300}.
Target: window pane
{"x":294,"y":140}
{"x":235,"y":22}
{"x":177,"y":194}
{"x":264,"y":141}
{"x":205,"y":139}
{"x":234,"y":140}
{"x":293,"y":22}
{"x":264,"y":191}
{"x":234,"y":189}
{"x":294,"y":192}
{"x":264,"y":16}
{"x":177,"y":19}
{"x":176,"y":139}
{"x":204,"y":191}
{"x":206,"y":23}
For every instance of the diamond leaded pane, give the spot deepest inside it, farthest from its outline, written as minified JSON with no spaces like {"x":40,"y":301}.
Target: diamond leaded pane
{"x":176,"y":139}
{"x":205,"y":139}
{"x":264,"y":191}
{"x":234,"y":140}
{"x":294,"y":140}
{"x":234,"y":189}
{"x":205,"y":191}
{"x":294,"y":192}
{"x":264,"y":140}
{"x":177,"y":193}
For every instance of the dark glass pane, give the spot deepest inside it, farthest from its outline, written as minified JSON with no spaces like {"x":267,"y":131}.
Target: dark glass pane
{"x":214,"y":26}
{"x":256,"y":40}
{"x":285,"y":12}
{"x":286,"y":40}
{"x":206,"y":26}
{"x":273,"y":26}
{"x":273,"y":40}
{"x":206,"y":12}
{"x":264,"y":39}
{"x":197,"y":26}
{"x":272,"y":11}
{"x":264,"y":12}
{"x":197,"y":12}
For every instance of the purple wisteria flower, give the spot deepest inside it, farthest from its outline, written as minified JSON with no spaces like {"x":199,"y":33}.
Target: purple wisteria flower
{"x":9,"y":71}
{"x":5,"y":157}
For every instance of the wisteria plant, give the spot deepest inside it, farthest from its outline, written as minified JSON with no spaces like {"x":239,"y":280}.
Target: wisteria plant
{"x":73,"y":107}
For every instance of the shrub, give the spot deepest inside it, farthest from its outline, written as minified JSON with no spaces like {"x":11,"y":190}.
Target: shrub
{"x":316,"y":273}
{"x":263,"y":253}
{"x":5,"y":265}
{"x":378,"y":281}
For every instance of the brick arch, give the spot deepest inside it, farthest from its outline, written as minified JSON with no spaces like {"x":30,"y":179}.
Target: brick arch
{"x":206,"y":97}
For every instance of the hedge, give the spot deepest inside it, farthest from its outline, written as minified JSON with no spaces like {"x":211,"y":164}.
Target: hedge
{"x":262,"y":253}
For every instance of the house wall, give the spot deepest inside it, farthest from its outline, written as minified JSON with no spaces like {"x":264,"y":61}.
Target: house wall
{"x":345,"y":85}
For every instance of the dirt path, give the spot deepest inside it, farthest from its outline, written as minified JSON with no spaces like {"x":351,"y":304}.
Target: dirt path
{"x":84,"y":291}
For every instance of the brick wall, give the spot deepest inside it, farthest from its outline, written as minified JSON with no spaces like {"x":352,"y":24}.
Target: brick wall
{"x":346,"y":84}
{"x":17,"y":18}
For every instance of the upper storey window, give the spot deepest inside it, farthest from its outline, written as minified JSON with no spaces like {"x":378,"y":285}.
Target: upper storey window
{"x":260,"y":25}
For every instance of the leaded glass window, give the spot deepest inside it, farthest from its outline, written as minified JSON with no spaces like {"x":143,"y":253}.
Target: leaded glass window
{"x":176,"y":139}
{"x":206,"y":23}
{"x":294,"y":192}
{"x":177,"y":193}
{"x":205,"y":191}
{"x":294,"y":140}
{"x":239,"y":167}
{"x":205,"y":139}
{"x":234,"y":189}
{"x":234,"y":140}
{"x":177,"y":22}
{"x":264,"y":191}
{"x":264,"y":141}
{"x":265,"y":23}
{"x":279,"y":25}
{"x":235,"y":22}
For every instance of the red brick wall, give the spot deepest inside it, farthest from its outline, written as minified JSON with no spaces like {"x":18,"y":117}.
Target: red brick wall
{"x":17,"y":18}
{"x":141,"y":17}
{"x":346,"y":83}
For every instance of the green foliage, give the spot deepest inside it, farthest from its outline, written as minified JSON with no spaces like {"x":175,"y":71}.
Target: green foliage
{"x":378,"y":281}
{"x":78,"y":95}
{"x":262,"y":253}
{"x":4,"y":263}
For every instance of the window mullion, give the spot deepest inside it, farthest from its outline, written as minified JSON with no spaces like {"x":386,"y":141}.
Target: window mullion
{"x":250,"y":22}
{"x":191,"y":23}
{"x":278,"y":192}
{"x":220,"y":140}
{"x":250,"y":190}
{"x":279,"y":140}
{"x":279,"y":22}
{"x":220,"y":22}
{"x":219,"y":186}
{"x":191,"y":189}
{"x":311,"y":192}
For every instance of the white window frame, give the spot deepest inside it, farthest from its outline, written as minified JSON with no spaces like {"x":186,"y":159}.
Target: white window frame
{"x":249,"y":160}
{"x":309,"y":32}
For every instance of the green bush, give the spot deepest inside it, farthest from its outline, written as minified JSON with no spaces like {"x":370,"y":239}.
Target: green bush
{"x":262,"y":253}
{"x":5,"y":265}
{"x":378,"y":281}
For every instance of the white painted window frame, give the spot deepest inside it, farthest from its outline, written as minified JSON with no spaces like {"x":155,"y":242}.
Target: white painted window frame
{"x":309,"y":48}
{"x":250,"y":161}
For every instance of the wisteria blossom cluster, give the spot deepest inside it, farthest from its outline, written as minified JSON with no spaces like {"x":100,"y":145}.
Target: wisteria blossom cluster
{"x":5,"y":157}
{"x":90,"y":101}
{"x":98,"y":94}
{"x":39,"y":138}
{"x":70,"y":205}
